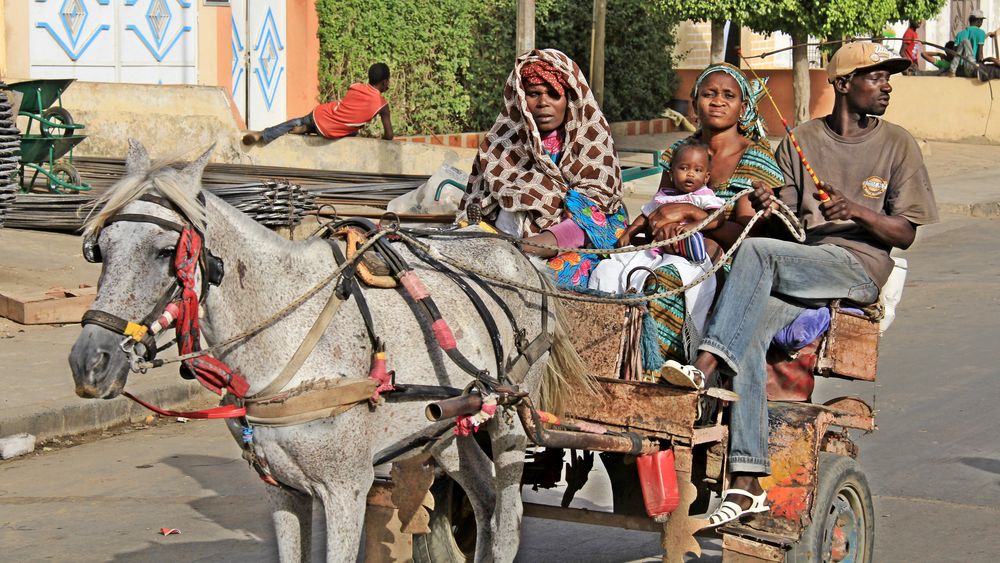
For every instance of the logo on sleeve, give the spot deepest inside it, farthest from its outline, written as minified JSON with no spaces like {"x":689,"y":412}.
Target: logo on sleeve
{"x":874,"y":187}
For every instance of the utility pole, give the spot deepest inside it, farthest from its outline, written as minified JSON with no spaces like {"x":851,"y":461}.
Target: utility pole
{"x":597,"y":50}
{"x":525,"y":26}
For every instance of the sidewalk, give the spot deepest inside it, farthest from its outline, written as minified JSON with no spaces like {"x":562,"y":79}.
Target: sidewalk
{"x":38,"y":392}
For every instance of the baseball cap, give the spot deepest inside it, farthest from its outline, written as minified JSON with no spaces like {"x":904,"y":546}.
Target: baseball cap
{"x":978,"y":14}
{"x":863,"y":55}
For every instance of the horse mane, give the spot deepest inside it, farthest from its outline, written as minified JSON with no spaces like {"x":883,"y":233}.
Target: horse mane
{"x":162,"y":176}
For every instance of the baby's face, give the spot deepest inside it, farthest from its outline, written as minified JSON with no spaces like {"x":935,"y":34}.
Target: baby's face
{"x":690,"y":171}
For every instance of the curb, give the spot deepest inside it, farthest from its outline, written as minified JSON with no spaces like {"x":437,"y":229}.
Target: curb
{"x":984,"y":209}
{"x":87,"y":415}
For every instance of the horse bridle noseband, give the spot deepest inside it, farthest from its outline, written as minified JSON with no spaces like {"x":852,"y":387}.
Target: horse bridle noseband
{"x":142,"y":333}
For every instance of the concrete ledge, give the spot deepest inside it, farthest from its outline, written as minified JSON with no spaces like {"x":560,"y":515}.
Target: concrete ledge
{"x":175,"y":121}
{"x":63,"y":417}
{"x":945,"y":108}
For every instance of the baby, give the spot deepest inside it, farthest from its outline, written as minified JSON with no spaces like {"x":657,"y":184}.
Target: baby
{"x":689,"y":172}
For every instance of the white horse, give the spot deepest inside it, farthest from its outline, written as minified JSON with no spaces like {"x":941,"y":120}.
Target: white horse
{"x":329,"y":460}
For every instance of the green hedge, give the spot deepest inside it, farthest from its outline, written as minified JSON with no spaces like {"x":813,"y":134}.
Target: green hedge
{"x":449,"y":58}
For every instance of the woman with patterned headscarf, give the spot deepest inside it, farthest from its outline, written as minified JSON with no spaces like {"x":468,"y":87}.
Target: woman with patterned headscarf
{"x":547,"y":170}
{"x":725,"y":104}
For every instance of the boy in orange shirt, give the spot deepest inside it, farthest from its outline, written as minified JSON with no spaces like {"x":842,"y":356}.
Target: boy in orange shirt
{"x":342,"y":118}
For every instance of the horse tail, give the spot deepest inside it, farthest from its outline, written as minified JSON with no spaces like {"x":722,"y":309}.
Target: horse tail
{"x":565,"y":373}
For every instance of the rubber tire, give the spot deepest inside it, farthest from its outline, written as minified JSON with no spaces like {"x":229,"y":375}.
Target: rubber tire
{"x":58,"y":115}
{"x":67,"y":173}
{"x":840,"y":478}
{"x":440,"y":544}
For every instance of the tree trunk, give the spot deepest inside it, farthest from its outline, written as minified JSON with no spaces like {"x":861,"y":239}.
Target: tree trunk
{"x":597,"y":50}
{"x":718,"y":51}
{"x":800,"y":76}
{"x":525,"y":38}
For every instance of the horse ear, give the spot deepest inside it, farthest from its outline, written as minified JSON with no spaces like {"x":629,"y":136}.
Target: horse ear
{"x":137,"y":159}
{"x":194,"y":170}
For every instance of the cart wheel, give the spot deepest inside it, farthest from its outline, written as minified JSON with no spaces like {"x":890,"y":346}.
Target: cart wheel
{"x":56,"y":114}
{"x":843,"y":527}
{"x":452,"y":538}
{"x":66,"y":173}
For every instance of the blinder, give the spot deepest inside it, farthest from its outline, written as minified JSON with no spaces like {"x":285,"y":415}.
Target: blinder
{"x":215,"y":267}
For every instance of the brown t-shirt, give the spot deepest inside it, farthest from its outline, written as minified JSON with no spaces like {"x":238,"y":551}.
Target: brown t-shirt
{"x":882,"y":170}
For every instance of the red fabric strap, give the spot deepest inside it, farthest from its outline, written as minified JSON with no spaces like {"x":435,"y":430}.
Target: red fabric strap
{"x":223,"y":411}
{"x":210,"y":372}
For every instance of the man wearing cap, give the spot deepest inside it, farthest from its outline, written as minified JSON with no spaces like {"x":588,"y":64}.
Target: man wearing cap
{"x":969,"y":44}
{"x":879,"y":192}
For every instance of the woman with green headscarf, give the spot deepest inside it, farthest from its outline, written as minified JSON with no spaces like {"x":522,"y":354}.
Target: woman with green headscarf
{"x":725,"y":104}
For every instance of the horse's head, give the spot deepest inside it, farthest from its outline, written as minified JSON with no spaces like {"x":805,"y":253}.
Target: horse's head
{"x":134,"y":234}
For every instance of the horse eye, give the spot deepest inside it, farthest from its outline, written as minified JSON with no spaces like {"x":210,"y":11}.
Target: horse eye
{"x":167,"y":252}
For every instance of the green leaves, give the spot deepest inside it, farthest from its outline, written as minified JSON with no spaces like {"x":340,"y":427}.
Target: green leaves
{"x":449,"y":59}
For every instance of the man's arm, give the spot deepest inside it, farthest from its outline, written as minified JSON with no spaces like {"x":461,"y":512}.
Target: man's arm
{"x":386,"y":123}
{"x":894,"y":230}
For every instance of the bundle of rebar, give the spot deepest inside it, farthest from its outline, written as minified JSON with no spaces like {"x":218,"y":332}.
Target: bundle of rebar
{"x":273,"y":196}
{"x":10,"y":151}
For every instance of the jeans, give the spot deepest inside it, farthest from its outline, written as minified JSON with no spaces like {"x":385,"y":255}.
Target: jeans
{"x":747,"y":316}
{"x":960,"y":64}
{"x":272,"y":133}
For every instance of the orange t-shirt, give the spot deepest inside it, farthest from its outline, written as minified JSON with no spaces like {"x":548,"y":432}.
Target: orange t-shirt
{"x":340,"y":119}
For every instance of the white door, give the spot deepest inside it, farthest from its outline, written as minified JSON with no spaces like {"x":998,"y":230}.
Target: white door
{"x":259,"y":58}
{"x":138,"y":41}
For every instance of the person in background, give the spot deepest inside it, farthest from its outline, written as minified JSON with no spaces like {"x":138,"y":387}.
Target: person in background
{"x":940,"y":60}
{"x":343,"y":118}
{"x":911,"y":46}
{"x":969,"y":46}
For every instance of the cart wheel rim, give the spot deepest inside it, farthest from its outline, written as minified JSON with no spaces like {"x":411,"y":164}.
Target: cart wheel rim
{"x":844,"y":536}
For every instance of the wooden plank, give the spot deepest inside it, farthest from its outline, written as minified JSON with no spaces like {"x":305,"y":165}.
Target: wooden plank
{"x":56,"y":306}
{"x":851,"y":349}
{"x":647,"y":408}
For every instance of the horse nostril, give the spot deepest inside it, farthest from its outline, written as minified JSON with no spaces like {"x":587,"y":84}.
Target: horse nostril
{"x":97,"y":363}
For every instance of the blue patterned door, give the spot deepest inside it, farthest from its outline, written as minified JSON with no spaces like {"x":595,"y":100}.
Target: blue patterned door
{"x":259,"y":71}
{"x":139,"y":41}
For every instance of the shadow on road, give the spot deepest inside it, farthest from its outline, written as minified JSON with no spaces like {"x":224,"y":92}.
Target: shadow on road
{"x":982,"y":463}
{"x":237,"y":506}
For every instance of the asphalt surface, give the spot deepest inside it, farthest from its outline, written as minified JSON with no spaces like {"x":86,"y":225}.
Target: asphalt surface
{"x":933,"y":464}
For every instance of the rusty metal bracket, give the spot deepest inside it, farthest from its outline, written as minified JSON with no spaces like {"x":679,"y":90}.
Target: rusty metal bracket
{"x":412,"y":479}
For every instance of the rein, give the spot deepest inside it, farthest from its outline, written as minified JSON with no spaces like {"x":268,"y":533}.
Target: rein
{"x":782,"y":211}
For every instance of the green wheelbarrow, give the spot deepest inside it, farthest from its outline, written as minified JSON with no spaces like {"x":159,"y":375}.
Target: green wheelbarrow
{"x":40,"y":154}
{"x":56,"y":137}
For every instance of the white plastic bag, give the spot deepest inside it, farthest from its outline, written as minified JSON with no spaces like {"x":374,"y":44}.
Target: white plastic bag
{"x":421,"y":200}
{"x":892,"y":292}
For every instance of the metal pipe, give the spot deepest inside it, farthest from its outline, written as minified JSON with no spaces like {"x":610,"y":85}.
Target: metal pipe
{"x":625,"y":443}
{"x":456,"y":406}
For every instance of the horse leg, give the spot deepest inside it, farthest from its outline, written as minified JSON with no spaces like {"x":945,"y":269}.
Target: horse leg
{"x":469,"y":466}
{"x":344,"y":500}
{"x":509,"y":443}
{"x":291,"y":512}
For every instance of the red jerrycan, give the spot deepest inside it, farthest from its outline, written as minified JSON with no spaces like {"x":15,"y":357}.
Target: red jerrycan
{"x":659,"y":482}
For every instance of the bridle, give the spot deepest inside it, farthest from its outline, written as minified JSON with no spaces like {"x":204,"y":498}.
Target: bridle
{"x":179,"y":302}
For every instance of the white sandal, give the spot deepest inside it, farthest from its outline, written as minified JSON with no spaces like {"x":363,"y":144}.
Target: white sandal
{"x":688,"y":377}
{"x":729,"y":510}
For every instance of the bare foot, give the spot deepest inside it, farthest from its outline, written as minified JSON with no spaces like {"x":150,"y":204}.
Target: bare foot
{"x":251,"y":138}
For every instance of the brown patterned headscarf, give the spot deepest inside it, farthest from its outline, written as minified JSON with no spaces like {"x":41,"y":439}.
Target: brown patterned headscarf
{"x":512,"y":171}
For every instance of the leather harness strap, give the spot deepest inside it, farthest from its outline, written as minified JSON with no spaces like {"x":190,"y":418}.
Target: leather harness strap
{"x":302,"y":352}
{"x":311,"y":401}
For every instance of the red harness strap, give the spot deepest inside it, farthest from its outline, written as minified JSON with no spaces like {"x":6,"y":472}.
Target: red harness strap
{"x":222,"y":411}
{"x":210,"y":372}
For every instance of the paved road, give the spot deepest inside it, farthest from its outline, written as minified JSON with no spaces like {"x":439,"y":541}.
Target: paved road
{"x":934,"y":464}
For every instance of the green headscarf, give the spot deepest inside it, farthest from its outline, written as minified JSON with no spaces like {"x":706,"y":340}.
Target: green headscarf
{"x":751,"y":124}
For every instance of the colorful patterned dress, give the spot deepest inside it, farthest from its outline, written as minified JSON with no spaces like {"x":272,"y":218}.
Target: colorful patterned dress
{"x":756,"y":164}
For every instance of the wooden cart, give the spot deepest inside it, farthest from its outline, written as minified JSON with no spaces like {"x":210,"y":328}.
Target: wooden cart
{"x":821,"y":508}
